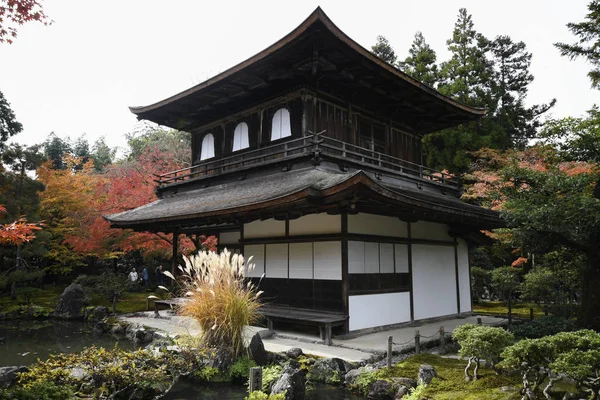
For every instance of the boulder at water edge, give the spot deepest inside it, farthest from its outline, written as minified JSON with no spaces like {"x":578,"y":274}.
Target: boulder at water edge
{"x":381,"y":390}
{"x":8,"y":375}
{"x":257,"y":350}
{"x":292,"y":382}
{"x":328,"y":370}
{"x":70,"y":303}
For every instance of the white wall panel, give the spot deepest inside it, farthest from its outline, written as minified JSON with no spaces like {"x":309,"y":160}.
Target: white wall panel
{"x":401,"y":257}
{"x":378,"y":309}
{"x":266,"y":228}
{"x":316,"y":224}
{"x":429,"y":230}
{"x":277,"y":260}
{"x":356,"y":257}
{"x":386,"y":258}
{"x":328,"y":260}
{"x":301,"y":260}
{"x":226,"y":238}
{"x":434,"y":282}
{"x":257,"y":252}
{"x":372,"y":224}
{"x":371,"y":258}
{"x":464,"y":283}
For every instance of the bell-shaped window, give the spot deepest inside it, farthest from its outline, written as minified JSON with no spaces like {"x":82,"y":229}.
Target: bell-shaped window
{"x":207,"y":150}
{"x":240,"y":137}
{"x":281,"y":126}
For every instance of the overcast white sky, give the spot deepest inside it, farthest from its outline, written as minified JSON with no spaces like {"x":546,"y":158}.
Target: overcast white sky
{"x":80,"y":74}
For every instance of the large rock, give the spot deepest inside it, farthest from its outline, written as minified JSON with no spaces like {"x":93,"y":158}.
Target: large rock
{"x":292,"y":382}
{"x":402,"y":391}
{"x":381,"y":390}
{"x":222,"y":359}
{"x":353,"y":374}
{"x":328,"y":370}
{"x":70,"y":303}
{"x":8,"y":375}
{"x":408,"y":382}
{"x":426,"y":374}
{"x":257,"y":350}
{"x":294,"y":352}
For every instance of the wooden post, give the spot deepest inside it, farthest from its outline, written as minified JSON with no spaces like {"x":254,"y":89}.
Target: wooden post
{"x":417,"y":342}
{"x":478,"y":320}
{"x":255,"y":380}
{"x":531,"y":314}
{"x":175,"y":255}
{"x":390,"y":342}
{"x":443,"y":339}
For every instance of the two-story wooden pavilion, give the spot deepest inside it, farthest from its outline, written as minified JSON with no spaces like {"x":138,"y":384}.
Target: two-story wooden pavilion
{"x":307,"y":156}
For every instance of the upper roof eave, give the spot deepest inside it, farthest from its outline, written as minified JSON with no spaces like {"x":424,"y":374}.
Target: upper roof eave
{"x":317,"y":16}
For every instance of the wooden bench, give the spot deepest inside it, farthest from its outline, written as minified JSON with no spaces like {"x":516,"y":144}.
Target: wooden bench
{"x":171,"y":303}
{"x":325,"y":320}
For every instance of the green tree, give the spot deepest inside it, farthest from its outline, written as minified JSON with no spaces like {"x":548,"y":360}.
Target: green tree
{"x":510,"y":85}
{"x":102,"y":154}
{"x":55,"y":149}
{"x":588,"y":43}
{"x":146,"y":137}
{"x":9,"y":126}
{"x":466,"y":78}
{"x":421,"y":61}
{"x":384,"y":50}
{"x":481,"y":343}
{"x":505,"y":281}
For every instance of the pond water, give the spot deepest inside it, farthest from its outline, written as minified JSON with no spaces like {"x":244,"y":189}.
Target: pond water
{"x":23,"y":342}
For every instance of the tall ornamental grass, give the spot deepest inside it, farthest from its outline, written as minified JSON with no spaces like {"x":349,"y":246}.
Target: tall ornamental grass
{"x":220,"y":297}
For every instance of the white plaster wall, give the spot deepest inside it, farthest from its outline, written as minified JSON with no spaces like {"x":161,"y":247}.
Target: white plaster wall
{"x":401,"y":257}
{"x":229,"y":238}
{"x":372,"y":224}
{"x":434,"y":281}
{"x":372,"y":310}
{"x":429,"y":230}
{"x":328,"y":260}
{"x":257,"y":252}
{"x":386,"y":258}
{"x":464,"y":283}
{"x":315,"y":224}
{"x":301,"y":260}
{"x":266,"y":228}
{"x":371,"y":258}
{"x":356,"y":257}
{"x":276,"y":257}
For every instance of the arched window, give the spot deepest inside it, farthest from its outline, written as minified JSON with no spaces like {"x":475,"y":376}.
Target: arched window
{"x":208,"y":147}
{"x":281,"y":126}
{"x":240,"y":137}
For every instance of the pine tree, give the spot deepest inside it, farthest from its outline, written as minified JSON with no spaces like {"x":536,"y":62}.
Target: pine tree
{"x":466,"y":78}
{"x":588,"y":45}
{"x":420,"y":64}
{"x":384,"y":50}
{"x":510,"y":85}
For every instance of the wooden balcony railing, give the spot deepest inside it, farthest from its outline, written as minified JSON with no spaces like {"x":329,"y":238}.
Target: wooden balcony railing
{"x":316,"y":146}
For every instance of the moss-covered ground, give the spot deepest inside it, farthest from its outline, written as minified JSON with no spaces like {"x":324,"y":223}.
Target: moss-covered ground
{"x":499,"y":308}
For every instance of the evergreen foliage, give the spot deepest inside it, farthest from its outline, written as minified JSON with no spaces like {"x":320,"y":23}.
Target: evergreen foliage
{"x":421,"y":62}
{"x":384,"y":50}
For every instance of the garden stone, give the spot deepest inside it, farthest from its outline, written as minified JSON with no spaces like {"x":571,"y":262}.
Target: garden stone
{"x":257,"y":350}
{"x":426,"y":374}
{"x":222,"y":359}
{"x":8,"y":375}
{"x":117,"y":329}
{"x":381,"y":390}
{"x":100,"y":328}
{"x":402,"y":391}
{"x":292,"y":382}
{"x":328,"y":370}
{"x":294,"y":352}
{"x":100,"y":313}
{"x":70,"y":303}
{"x":352,"y":375}
{"x":408,"y":382}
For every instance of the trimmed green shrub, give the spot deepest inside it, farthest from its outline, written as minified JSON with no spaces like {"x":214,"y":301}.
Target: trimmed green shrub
{"x":543,"y":326}
{"x":38,"y":391}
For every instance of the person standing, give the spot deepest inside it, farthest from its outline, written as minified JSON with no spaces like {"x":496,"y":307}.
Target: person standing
{"x":145,"y":277}
{"x":160,"y":276}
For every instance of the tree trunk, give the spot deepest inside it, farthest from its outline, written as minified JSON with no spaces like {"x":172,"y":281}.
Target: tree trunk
{"x":467,"y":375}
{"x":114,"y":303}
{"x":509,"y":309}
{"x":590,"y":298}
